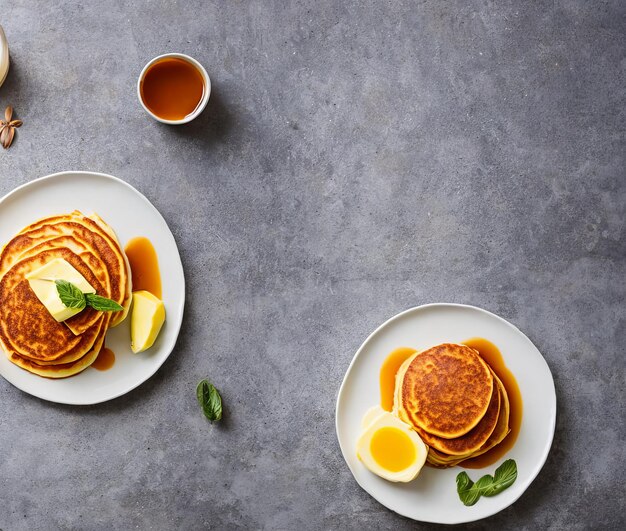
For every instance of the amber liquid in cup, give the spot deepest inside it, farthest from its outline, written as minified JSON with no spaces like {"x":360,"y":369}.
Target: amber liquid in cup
{"x":172,"y":88}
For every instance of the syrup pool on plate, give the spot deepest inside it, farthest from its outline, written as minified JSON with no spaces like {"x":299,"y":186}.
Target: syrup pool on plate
{"x":105,"y":359}
{"x":388,"y":372}
{"x":144,"y":265}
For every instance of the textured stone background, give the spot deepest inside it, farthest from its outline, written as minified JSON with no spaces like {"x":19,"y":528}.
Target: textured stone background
{"x":356,"y":159}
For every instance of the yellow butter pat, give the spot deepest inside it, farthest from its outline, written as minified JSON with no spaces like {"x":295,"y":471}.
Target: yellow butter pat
{"x":42,"y":283}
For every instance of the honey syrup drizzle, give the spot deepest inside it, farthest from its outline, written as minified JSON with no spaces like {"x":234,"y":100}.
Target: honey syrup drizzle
{"x":388,"y":372}
{"x":105,"y":360}
{"x":144,"y":265}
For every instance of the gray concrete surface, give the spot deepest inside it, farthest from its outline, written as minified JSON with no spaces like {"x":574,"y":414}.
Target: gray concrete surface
{"x":356,"y":159}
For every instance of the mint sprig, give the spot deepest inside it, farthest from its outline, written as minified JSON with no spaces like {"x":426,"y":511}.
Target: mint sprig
{"x":470,"y":492}
{"x":73,"y":297}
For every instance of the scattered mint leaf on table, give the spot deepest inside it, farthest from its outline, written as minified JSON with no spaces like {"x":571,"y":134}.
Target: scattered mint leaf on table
{"x":210,"y":400}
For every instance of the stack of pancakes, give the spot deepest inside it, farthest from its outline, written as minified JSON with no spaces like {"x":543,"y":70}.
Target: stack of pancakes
{"x":30,"y":336}
{"x":454,"y":400}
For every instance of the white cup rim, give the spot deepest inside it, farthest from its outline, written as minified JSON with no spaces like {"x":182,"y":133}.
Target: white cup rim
{"x":203,"y":101}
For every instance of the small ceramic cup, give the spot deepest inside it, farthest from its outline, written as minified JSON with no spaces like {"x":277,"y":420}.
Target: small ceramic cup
{"x":205,"y":96}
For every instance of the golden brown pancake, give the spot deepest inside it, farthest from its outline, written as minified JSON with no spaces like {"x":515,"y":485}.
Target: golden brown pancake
{"x":30,"y":336}
{"x":502,"y":428}
{"x":473,"y":439}
{"x":129,"y":279}
{"x":90,"y":235}
{"x":97,"y":266}
{"x":26,"y":327}
{"x":78,"y":323}
{"x":443,"y":460}
{"x":440,"y":460}
{"x":95,"y":243}
{"x":444,"y":391}
{"x":64,"y":370}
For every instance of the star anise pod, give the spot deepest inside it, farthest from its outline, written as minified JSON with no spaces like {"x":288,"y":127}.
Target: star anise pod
{"x":7,"y":128}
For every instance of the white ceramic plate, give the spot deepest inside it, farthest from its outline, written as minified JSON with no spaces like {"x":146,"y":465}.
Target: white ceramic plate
{"x":130,"y":214}
{"x":432,"y":496}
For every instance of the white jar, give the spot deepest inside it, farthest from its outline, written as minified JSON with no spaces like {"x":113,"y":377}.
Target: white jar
{"x":4,"y":56}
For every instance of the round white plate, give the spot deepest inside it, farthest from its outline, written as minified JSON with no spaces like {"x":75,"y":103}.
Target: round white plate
{"x":130,"y":214}
{"x":432,"y":496}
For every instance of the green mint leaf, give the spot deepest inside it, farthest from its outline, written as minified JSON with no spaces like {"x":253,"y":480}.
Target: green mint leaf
{"x":504,"y":477}
{"x":70,"y":294}
{"x":470,"y":492}
{"x":464,"y":488}
{"x":463,"y":482}
{"x":484,"y":485}
{"x":210,"y":400}
{"x":102,"y":304}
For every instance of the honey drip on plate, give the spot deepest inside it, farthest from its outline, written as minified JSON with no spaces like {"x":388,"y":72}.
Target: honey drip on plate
{"x":490,"y":353}
{"x":105,"y":360}
{"x":388,"y":372}
{"x":144,"y":265}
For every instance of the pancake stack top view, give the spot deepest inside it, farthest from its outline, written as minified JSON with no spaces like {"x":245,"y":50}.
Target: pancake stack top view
{"x":454,"y":401}
{"x":30,"y":335}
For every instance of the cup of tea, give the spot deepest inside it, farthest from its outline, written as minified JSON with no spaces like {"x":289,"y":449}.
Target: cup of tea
{"x":174,"y":88}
